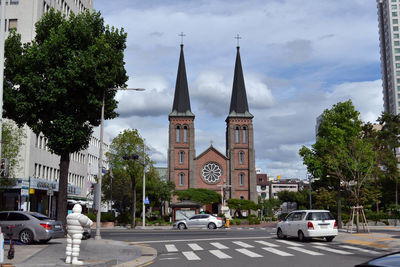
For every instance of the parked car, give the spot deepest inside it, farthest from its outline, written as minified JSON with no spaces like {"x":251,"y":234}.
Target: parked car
{"x":388,"y":260}
{"x":199,"y":221}
{"x":30,"y":226}
{"x":306,"y":224}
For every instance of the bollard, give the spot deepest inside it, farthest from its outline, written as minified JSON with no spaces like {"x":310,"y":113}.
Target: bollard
{"x":227,"y":223}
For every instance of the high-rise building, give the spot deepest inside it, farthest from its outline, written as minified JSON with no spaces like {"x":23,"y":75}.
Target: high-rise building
{"x":38,"y":170}
{"x":388,"y":14}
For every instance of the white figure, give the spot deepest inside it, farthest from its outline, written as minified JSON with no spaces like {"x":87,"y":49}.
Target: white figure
{"x":75,"y":223}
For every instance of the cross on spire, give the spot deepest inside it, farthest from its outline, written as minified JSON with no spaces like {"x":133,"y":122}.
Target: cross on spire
{"x":211,"y":142}
{"x":237,"y":37}
{"x":182,"y":35}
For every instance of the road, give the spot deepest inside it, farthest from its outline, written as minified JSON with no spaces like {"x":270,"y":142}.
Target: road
{"x":241,"y":248}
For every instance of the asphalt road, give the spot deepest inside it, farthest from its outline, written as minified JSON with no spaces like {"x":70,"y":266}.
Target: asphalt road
{"x":241,"y":248}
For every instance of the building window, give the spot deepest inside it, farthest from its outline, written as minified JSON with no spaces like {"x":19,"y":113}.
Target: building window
{"x":397,"y":73}
{"x":397,"y":50}
{"x":396,"y":43}
{"x":237,"y":135}
{"x":185,"y":133}
{"x":241,"y":197}
{"x":241,"y":157}
{"x":396,"y":28}
{"x":394,"y":14}
{"x":178,"y":134}
{"x":397,"y":65}
{"x":395,"y":21}
{"x":181,"y":157}
{"x":263,"y":195}
{"x":12,"y":24}
{"x":263,"y":187}
{"x":14,"y":2}
{"x":396,"y":35}
{"x":241,"y":179}
{"x":181,"y":179}
{"x":244,"y":135}
{"x":394,"y":6}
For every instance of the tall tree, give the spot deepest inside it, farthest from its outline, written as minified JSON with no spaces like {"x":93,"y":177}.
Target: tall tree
{"x":199,"y":195}
{"x":12,"y":141}
{"x":57,"y":83}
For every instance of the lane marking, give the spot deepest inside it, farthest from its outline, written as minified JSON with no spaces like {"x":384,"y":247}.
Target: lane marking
{"x":333,"y":250}
{"x":199,"y":239}
{"x":310,"y":252}
{"x":171,"y":248}
{"x":248,"y":253}
{"x":290,"y":243}
{"x":267,"y":244}
{"x":277,"y":252}
{"x":194,"y":246}
{"x":218,"y":245}
{"x":360,"y":249}
{"x":219,"y":254}
{"x":242,"y":244}
{"x":190,"y":255}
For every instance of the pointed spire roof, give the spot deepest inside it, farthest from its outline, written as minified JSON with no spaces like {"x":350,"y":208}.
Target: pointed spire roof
{"x":239,"y":106}
{"x":181,"y":106}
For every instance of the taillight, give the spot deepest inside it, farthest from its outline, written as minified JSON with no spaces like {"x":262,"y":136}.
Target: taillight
{"x":310,"y":225}
{"x":46,"y":226}
{"x":335,"y":225}
{"x":219,"y":219}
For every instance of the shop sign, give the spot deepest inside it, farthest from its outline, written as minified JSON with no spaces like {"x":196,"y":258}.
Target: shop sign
{"x":50,"y":192}
{"x":24,"y":192}
{"x":73,"y":190}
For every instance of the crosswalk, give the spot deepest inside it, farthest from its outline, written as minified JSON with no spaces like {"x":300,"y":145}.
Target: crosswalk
{"x":229,"y":249}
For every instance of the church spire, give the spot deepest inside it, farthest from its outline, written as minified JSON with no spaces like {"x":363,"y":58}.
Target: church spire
{"x":181,"y":106}
{"x":239,"y":106}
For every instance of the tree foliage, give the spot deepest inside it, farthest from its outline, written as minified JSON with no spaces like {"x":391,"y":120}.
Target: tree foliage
{"x":57,"y":83}
{"x":12,"y":141}
{"x":241,"y":204}
{"x":199,"y":195}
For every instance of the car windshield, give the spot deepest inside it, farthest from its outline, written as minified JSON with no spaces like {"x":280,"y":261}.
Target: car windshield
{"x":39,"y":216}
{"x":319,"y":216}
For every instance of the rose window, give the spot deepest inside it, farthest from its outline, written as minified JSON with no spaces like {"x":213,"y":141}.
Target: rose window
{"x":211,"y":172}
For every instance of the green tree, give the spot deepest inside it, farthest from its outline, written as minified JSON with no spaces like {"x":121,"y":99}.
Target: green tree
{"x":12,"y":141}
{"x":269,"y":206}
{"x":324,"y":199}
{"x":241,"y":204}
{"x":199,"y":195}
{"x":57,"y":83}
{"x":126,"y":172}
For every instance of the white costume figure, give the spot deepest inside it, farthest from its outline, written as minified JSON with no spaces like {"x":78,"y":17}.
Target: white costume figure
{"x":75,"y":223}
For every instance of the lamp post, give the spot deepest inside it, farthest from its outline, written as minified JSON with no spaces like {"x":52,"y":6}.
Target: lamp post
{"x":98,"y":236}
{"x":144,"y":187}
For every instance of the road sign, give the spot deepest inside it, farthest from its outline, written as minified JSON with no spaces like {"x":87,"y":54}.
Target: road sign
{"x":146,"y":201}
{"x":50,"y":192}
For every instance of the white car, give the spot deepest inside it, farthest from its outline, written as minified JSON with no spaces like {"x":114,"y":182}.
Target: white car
{"x":199,"y":221}
{"x":307,"y":224}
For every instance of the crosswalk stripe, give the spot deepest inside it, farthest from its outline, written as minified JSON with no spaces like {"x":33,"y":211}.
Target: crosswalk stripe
{"x":194,"y":246}
{"x":310,"y":252}
{"x":360,"y":249}
{"x":290,"y":243}
{"x":267,"y":244}
{"x":277,"y":252}
{"x":219,"y":254}
{"x":218,"y":245}
{"x":171,"y":248}
{"x":190,"y":255}
{"x":248,"y":253}
{"x":333,"y":250}
{"x":242,"y":244}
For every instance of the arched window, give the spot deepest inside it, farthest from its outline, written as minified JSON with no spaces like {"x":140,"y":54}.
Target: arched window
{"x":263,"y":195}
{"x":237,"y":135}
{"x":181,"y":157}
{"x":241,"y":157}
{"x":178,"y":134}
{"x":244,"y":137}
{"x":241,"y":179}
{"x":181,"y":178}
{"x":241,"y":197}
{"x":185,"y":133}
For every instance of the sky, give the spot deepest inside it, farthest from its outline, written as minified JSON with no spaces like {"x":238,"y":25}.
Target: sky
{"x":299,"y":58}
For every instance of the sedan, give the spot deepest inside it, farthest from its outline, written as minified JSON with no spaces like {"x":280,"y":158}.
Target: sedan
{"x":389,"y":260}
{"x":30,"y":226}
{"x":200,"y":221}
{"x":306,"y":224}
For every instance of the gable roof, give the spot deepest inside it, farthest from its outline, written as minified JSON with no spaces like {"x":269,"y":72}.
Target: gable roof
{"x":211,"y":148}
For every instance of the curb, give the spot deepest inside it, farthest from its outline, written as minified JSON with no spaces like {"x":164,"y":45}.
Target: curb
{"x":148,"y":254}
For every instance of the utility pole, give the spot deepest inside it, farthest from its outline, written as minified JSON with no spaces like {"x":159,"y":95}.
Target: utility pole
{"x":144,"y":186}
{"x":2,"y":38}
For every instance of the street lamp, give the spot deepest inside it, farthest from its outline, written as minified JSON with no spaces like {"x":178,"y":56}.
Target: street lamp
{"x":98,"y":236}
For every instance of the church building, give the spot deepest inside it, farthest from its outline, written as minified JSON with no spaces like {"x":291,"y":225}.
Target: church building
{"x":233,"y":171}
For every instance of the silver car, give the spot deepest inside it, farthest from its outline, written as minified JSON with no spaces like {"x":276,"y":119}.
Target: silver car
{"x":30,"y":226}
{"x":199,"y":221}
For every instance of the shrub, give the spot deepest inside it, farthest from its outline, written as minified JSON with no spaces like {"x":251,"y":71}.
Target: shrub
{"x":124,"y":218}
{"x":107,"y":217}
{"x":254,"y":220}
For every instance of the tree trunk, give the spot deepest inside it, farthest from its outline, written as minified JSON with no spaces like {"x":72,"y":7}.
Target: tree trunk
{"x":62,"y":189}
{"x":133,"y":207}
{"x":339,"y":206}
{"x":377,"y":200}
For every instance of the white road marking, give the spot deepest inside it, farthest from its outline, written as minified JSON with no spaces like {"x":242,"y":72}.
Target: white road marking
{"x":310,"y":252}
{"x":219,"y":254}
{"x":248,"y":253}
{"x":171,"y":248}
{"x":218,"y":245}
{"x":267,"y":244}
{"x":242,"y":244}
{"x":277,"y":252}
{"x":294,"y":244}
{"x":194,"y":246}
{"x":360,"y":249}
{"x":333,"y":250}
{"x":163,"y":259}
{"x":190,"y":255}
{"x":198,"y":239}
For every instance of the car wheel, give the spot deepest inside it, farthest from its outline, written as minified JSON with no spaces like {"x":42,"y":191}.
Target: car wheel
{"x":211,"y":226}
{"x":44,"y":241}
{"x":26,"y":236}
{"x":280,"y":234}
{"x":329,"y":238}
{"x":181,"y":226}
{"x":301,"y":237}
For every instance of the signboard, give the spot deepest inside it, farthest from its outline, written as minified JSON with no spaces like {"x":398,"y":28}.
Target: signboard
{"x":50,"y":192}
{"x":24,"y":192}
{"x":146,"y":201}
